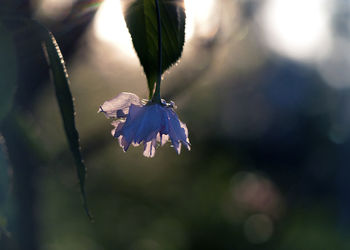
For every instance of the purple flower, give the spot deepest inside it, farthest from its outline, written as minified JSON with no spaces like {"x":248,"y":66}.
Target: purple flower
{"x":147,"y":122}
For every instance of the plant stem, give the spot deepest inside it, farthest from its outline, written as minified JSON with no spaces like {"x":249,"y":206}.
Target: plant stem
{"x":156,"y":96}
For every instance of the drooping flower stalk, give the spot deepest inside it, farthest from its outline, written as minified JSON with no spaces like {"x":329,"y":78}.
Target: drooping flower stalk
{"x":156,"y":96}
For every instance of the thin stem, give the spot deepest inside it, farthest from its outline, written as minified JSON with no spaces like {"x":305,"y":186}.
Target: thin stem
{"x":156,"y":96}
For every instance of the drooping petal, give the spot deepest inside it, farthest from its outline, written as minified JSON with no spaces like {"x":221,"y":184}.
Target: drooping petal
{"x":150,"y":124}
{"x":177,"y":131}
{"x":143,"y":126}
{"x":147,"y":125}
{"x":164,"y":121}
{"x":118,"y":107}
{"x":118,"y":125}
{"x":162,"y":138}
{"x":185,"y":140}
{"x":177,"y":146}
{"x":130,"y":126}
{"x":123,"y":143}
{"x":150,"y":148}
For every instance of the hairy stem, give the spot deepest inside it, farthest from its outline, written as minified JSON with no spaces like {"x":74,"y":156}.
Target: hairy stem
{"x":156,"y":96}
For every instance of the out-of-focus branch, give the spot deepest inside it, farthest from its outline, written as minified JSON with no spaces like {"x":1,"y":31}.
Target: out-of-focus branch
{"x":23,"y":158}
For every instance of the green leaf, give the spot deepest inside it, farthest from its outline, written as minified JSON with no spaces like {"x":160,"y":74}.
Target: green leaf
{"x":8,"y":71}
{"x":65,"y":102}
{"x":141,"y":20}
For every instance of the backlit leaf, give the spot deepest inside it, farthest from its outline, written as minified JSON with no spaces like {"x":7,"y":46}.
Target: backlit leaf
{"x":141,"y":20}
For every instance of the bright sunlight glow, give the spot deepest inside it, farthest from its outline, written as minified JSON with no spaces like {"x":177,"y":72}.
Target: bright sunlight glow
{"x":297,"y":28}
{"x":54,"y":9}
{"x":198,"y":13}
{"x":110,"y":26}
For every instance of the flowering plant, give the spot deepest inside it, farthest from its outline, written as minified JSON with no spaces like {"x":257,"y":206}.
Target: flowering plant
{"x":149,"y":123}
{"x":154,"y":121}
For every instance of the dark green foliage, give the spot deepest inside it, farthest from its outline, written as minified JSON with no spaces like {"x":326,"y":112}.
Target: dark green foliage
{"x":141,"y":19}
{"x":8,"y":71}
{"x":66,"y":105}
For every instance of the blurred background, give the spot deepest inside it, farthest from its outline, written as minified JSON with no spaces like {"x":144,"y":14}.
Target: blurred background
{"x":263,"y":86}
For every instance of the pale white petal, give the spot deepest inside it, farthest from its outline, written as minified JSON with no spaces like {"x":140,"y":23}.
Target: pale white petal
{"x":118,"y":125}
{"x":150,"y":148}
{"x":177,"y":146}
{"x":119,"y":106}
{"x":186,"y":140}
{"x":162,"y":138}
{"x":123,"y":143}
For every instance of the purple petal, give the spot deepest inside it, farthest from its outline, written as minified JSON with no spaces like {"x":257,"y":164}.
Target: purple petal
{"x":147,"y":124}
{"x":130,"y":126}
{"x":142,"y":124}
{"x":177,"y":131}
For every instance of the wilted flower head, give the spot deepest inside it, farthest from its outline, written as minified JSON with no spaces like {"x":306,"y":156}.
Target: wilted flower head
{"x":147,"y":122}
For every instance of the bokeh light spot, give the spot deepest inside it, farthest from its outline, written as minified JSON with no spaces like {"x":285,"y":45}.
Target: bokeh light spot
{"x":258,"y":228}
{"x":54,"y":9}
{"x":199,"y":17}
{"x":110,"y":27}
{"x":298,"y":29}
